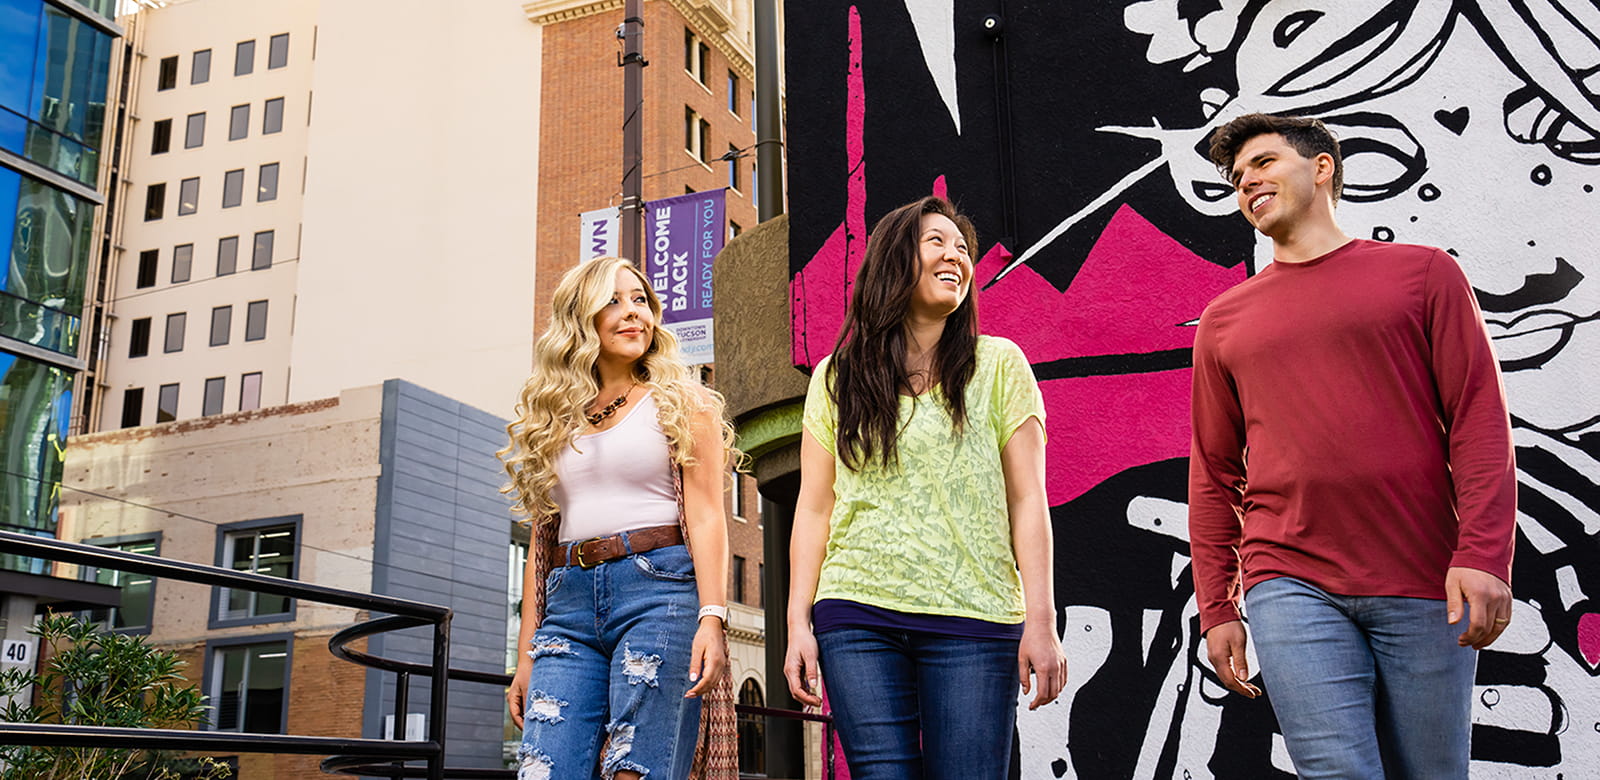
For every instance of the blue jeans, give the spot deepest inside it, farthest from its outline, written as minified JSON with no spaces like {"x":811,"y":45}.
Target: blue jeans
{"x":1364,"y":686}
{"x":611,"y":660}
{"x":910,"y":705}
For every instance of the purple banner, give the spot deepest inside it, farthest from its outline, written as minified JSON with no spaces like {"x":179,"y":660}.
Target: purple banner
{"x":682,"y":237}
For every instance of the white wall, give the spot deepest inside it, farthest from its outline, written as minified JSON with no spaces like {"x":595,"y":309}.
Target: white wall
{"x":418,"y":252}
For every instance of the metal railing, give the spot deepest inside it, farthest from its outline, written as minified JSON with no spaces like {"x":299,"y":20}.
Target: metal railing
{"x":344,"y":751}
{"x":352,"y":756}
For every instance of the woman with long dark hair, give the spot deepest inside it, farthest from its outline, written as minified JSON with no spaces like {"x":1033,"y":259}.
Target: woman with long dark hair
{"x":617,"y":455}
{"x":921,"y":584}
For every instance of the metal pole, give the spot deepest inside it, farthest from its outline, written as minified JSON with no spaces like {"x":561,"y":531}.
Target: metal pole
{"x":633,"y":64}
{"x":402,"y":702}
{"x":785,"y":738}
{"x":438,"y":696}
{"x":769,"y":114}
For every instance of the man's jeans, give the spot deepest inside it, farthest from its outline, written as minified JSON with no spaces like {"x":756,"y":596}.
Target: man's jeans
{"x":1364,"y":686}
{"x":910,"y":705}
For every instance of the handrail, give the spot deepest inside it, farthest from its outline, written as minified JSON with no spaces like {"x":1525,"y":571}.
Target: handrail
{"x":406,"y":612}
{"x":352,"y":756}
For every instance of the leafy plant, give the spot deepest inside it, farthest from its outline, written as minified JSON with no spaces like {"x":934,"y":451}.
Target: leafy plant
{"x":94,"y":677}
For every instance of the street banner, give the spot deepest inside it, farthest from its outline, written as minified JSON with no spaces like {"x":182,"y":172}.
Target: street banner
{"x":682,"y":236}
{"x":598,"y":235}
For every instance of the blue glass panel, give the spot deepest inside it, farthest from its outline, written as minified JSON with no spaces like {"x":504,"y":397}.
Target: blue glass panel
{"x":54,"y":75}
{"x":47,"y":235}
{"x":34,"y":402}
{"x":19,"y":46}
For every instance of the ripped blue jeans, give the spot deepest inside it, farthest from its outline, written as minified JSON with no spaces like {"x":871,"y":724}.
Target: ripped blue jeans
{"x":611,"y":660}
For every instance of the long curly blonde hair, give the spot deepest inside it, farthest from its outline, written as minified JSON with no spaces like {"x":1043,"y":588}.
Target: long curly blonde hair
{"x":549,"y":412}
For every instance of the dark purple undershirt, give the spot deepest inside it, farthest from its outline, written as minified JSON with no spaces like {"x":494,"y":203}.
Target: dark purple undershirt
{"x":834,"y":614}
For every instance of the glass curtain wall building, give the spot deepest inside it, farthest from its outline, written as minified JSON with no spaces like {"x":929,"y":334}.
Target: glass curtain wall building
{"x":55,"y":61}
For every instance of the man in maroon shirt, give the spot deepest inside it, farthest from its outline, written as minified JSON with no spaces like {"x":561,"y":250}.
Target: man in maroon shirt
{"x":1351,"y":475}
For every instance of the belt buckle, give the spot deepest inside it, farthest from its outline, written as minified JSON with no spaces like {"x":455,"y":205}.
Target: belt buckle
{"x":582,"y":564}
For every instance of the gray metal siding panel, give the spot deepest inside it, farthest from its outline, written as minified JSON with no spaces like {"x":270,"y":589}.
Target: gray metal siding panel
{"x":447,"y":532}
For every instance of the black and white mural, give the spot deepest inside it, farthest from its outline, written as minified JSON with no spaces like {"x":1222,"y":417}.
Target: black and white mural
{"x":1073,"y":133}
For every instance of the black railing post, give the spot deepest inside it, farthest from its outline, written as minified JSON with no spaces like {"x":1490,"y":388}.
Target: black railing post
{"x":402,"y":702}
{"x":438,"y":699}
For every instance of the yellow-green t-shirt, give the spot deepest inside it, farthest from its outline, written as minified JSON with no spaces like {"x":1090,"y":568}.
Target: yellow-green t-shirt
{"x":931,"y":534}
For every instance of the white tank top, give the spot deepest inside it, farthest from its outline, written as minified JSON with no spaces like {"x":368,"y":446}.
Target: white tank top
{"x":620,"y":481}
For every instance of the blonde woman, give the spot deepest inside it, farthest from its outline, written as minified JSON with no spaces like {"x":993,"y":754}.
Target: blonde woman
{"x":617,"y":455}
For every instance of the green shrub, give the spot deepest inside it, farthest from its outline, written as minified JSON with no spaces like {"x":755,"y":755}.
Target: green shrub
{"x":93,"y":677}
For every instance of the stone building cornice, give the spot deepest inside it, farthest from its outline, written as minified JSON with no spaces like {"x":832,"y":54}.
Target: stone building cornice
{"x":709,"y":17}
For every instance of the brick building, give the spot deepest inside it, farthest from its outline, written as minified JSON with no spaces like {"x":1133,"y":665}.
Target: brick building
{"x":698,"y":134}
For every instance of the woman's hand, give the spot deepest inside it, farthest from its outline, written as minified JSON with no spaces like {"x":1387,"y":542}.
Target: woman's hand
{"x":800,"y":667}
{"x":708,"y":660}
{"x":1040,"y":653}
{"x":518,"y":691}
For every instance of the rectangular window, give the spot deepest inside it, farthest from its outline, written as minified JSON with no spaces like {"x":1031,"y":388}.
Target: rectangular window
{"x":250,"y":392}
{"x":694,"y":133}
{"x":182,"y":262}
{"x":139,"y":338}
{"x":167,"y":77}
{"x":221,"y":325}
{"x":188,"y":196}
{"x":194,"y":133}
{"x":262,"y":549}
{"x":175,"y":328}
{"x":733,"y":229}
{"x":200,"y":68}
{"x":213,"y":400}
{"x":267,"y":183}
{"x":167,"y":403}
{"x":147,"y":268}
{"x":238,"y":122}
{"x":255,"y":321}
{"x":278,"y":51}
{"x":232,"y":188}
{"x":161,"y":136}
{"x":696,"y":56}
{"x":244,"y":58}
{"x":733,"y":167}
{"x":272,"y":116}
{"x":737,"y":591}
{"x":138,"y":590}
{"x":155,"y":201}
{"x":132,"y":405}
{"x":733,"y":93}
{"x":736,"y":496}
{"x":261,"y":255}
{"x":228,"y":254}
{"x":248,"y":684}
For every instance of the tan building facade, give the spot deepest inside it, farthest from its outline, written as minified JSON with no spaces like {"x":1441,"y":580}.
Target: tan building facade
{"x":317,"y":197}
{"x":388,"y":489}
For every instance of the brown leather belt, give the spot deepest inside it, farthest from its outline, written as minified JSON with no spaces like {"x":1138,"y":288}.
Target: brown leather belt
{"x":604,"y":549}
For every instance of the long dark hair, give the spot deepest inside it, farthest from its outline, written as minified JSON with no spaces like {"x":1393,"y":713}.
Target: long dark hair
{"x":868,"y":371}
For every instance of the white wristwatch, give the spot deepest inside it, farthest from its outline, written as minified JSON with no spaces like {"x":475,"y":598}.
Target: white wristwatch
{"x":717,"y":611}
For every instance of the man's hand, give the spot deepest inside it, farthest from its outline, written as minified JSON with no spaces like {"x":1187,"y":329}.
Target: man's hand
{"x":1225,"y":645}
{"x":1488,"y":601}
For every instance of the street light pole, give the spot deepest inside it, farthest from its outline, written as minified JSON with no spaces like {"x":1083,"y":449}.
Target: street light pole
{"x":631,"y":215}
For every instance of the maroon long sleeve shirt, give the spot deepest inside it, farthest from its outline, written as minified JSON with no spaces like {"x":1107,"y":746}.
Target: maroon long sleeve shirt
{"x":1350,"y":430}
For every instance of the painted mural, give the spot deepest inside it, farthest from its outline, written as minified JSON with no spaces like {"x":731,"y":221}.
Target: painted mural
{"x":1073,"y":132}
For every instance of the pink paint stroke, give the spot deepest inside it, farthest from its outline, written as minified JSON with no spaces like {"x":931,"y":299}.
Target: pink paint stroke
{"x":1589,"y":638}
{"x":820,"y":292}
